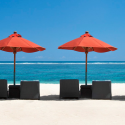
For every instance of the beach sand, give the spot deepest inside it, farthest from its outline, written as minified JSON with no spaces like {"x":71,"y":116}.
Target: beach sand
{"x":50,"y":110}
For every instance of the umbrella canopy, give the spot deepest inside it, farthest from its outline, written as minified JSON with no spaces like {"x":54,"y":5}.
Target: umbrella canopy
{"x":15,"y":43}
{"x":87,"y":43}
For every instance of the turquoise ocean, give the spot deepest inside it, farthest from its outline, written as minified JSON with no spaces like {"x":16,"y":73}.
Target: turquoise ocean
{"x":50,"y":72}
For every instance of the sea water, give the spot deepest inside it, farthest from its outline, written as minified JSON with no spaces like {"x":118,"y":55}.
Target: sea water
{"x":50,"y":72}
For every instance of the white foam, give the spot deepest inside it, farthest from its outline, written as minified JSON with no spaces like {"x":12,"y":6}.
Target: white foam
{"x":63,"y":63}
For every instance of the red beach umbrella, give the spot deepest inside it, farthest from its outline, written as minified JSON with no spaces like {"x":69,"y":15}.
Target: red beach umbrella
{"x":87,"y":43}
{"x":15,"y":43}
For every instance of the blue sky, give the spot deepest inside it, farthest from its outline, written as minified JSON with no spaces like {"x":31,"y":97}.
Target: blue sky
{"x":51,"y":23}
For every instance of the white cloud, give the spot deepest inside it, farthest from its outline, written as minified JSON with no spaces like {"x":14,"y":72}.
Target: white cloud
{"x":95,"y":57}
{"x":39,"y":57}
{"x":23,"y":57}
{"x":63,"y":57}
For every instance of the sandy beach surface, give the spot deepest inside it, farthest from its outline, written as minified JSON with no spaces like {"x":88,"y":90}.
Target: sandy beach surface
{"x":50,"y":110}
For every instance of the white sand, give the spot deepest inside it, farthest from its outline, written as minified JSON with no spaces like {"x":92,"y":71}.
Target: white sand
{"x":50,"y":110}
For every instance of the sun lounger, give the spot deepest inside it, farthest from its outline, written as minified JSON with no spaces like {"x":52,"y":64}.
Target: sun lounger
{"x":30,"y":90}
{"x":3,"y":88}
{"x":101,"y":90}
{"x":69,"y":88}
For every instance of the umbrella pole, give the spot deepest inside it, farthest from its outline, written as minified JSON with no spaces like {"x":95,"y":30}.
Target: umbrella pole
{"x":86,"y":72}
{"x":86,"y":52}
{"x":14,"y":52}
{"x":14,"y":67}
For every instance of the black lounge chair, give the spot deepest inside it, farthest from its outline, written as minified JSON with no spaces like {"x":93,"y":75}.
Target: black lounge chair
{"x":101,"y":90}
{"x":3,"y":88}
{"x":69,"y":88}
{"x":30,"y":90}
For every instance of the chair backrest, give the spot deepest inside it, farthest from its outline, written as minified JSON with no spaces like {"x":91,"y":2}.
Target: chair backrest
{"x":30,"y":90}
{"x":101,"y":89}
{"x":69,"y":88}
{"x":3,"y":88}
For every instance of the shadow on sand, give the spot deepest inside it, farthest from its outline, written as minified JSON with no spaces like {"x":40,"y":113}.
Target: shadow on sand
{"x":50,"y":97}
{"x":57,"y":98}
{"x":118,"y":97}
